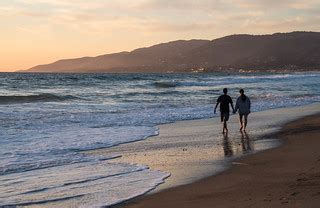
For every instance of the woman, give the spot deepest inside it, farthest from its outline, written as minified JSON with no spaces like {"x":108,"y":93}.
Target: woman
{"x":243,"y":105}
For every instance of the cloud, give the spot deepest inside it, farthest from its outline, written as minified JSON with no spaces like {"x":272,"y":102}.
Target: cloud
{"x":277,"y":4}
{"x":182,"y":5}
{"x":7,"y":11}
{"x":63,"y":28}
{"x":16,"y":11}
{"x":34,"y":29}
{"x":169,"y":16}
{"x":176,"y":27}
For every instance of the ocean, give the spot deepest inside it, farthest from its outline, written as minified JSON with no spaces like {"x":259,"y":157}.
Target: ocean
{"x":49,"y":121}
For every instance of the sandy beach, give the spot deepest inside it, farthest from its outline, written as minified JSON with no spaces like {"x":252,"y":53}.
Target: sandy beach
{"x":209,"y":169}
{"x":287,"y":176}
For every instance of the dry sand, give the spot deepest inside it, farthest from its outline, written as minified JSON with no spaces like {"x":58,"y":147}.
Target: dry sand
{"x":287,"y":176}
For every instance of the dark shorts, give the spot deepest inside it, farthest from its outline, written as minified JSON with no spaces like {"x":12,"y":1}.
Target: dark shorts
{"x":224,"y":116}
{"x":243,"y":114}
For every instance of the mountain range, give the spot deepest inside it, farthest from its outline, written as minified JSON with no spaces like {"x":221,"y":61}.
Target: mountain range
{"x":279,"y":51}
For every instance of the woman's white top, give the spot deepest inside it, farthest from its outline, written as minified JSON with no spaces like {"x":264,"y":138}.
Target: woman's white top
{"x":243,"y":106}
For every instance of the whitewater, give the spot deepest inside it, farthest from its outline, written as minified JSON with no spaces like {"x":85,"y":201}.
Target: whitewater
{"x":49,"y":121}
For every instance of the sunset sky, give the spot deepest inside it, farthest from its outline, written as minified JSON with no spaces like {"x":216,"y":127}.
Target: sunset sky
{"x":42,"y":31}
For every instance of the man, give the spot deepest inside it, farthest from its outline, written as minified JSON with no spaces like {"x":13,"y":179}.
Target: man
{"x":224,"y":101}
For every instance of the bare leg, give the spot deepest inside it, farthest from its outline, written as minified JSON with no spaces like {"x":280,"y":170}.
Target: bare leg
{"x":225,"y":126}
{"x":245,"y":121}
{"x":241,"y":123}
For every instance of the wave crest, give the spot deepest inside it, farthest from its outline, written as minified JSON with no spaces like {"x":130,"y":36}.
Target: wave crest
{"x":165,"y":84}
{"x":46,"y":97}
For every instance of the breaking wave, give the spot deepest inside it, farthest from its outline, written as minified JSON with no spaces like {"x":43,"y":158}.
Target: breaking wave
{"x":165,"y":84}
{"x":11,"y":99}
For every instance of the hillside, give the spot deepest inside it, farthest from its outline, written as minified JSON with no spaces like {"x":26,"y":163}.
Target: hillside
{"x":289,"y":51}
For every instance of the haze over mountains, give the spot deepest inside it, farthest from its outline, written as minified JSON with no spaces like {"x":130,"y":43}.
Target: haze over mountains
{"x":279,"y":51}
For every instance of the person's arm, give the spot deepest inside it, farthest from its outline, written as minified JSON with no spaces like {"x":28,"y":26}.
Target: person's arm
{"x":232,"y":105}
{"x":215,"y":108}
{"x":249,"y":104}
{"x":232,"y":108}
{"x":237,"y":106}
{"x":218,"y":102}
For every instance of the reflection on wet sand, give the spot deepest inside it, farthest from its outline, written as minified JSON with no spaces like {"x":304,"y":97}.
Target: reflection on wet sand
{"x":230,"y":145}
{"x":247,"y":144}
{"x":227,"y":147}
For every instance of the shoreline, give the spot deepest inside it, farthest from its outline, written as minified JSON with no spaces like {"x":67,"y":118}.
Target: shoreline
{"x":264,"y":172}
{"x":231,"y":71}
{"x":194,"y":149}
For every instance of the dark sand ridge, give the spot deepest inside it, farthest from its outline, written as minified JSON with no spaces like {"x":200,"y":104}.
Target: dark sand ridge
{"x":287,"y":176}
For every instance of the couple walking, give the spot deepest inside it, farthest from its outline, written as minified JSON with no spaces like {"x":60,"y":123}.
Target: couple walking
{"x":243,"y":105}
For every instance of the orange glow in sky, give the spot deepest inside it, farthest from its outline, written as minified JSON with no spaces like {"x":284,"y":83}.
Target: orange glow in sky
{"x":37,"y":32}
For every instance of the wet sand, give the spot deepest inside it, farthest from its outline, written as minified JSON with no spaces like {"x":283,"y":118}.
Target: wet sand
{"x":194,"y":149}
{"x":286,"y":176}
